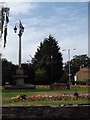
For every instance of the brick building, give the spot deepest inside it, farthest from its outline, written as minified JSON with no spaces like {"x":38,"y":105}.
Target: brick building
{"x":83,"y":74}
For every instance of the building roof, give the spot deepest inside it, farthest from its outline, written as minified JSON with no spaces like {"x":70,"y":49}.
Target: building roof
{"x":84,"y":69}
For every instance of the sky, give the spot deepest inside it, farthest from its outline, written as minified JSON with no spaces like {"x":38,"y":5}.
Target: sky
{"x":45,"y":0}
{"x":66,"y":21}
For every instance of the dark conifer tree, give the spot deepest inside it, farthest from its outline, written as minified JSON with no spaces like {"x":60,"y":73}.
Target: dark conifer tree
{"x":49,"y":57}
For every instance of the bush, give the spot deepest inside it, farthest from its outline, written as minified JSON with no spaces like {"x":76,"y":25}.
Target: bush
{"x":64,"y":78}
{"x":80,"y":82}
{"x":41,"y":76}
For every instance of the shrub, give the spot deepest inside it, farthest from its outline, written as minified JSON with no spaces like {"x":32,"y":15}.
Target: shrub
{"x":41,"y":76}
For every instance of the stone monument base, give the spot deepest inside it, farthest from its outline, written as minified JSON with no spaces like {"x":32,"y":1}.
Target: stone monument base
{"x":20,"y":77}
{"x":19,"y":81}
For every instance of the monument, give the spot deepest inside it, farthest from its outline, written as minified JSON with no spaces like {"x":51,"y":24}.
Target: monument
{"x":19,"y":77}
{"x":19,"y":73}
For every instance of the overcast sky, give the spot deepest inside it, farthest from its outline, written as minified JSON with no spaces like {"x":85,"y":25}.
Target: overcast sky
{"x":66,"y":21}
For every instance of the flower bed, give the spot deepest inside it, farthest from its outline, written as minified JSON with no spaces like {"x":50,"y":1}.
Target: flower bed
{"x":80,"y":86}
{"x":43,"y":86}
{"x":62,"y":97}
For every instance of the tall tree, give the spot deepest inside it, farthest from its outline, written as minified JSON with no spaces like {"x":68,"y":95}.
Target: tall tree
{"x":49,"y":58}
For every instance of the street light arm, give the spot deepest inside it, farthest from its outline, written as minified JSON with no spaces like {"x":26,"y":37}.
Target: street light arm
{"x":20,"y":26}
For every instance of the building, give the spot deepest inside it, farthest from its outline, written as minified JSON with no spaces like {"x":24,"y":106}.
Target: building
{"x":83,"y":75}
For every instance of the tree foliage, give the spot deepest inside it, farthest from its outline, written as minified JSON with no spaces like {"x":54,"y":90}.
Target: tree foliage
{"x":41,"y":76}
{"x":7,"y":71}
{"x":49,"y":58}
{"x":77,"y":62}
{"x":29,"y":72}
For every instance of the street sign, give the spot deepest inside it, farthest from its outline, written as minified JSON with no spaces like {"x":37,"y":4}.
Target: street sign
{"x":69,"y":74}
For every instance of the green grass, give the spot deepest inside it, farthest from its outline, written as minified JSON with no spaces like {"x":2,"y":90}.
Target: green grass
{"x":42,"y":91}
{"x":45,"y":103}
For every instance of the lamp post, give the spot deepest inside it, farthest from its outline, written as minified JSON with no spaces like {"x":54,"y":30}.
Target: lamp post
{"x":69,"y":73}
{"x":21,"y":30}
{"x":19,"y":72}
